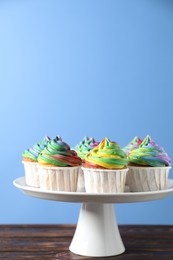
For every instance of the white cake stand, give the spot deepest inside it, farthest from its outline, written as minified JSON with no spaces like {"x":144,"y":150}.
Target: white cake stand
{"x":97,"y":233}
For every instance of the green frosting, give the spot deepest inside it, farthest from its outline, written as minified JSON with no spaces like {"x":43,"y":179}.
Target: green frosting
{"x":149,"y":154}
{"x":33,"y":153}
{"x":85,"y":146}
{"x":58,"y":153}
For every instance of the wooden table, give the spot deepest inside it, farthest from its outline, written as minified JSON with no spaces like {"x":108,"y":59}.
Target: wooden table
{"x":52,"y":242}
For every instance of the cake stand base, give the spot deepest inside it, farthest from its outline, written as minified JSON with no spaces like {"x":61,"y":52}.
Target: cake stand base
{"x":97,"y":233}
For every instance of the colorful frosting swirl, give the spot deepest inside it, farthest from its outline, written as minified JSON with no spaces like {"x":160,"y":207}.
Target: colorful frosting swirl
{"x":85,"y":146}
{"x":106,"y":155}
{"x":33,"y":153}
{"x":58,"y":153}
{"x":149,"y":154}
{"x":132,"y":145}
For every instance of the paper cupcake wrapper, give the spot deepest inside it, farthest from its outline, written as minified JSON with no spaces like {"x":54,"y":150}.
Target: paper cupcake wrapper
{"x":31,"y":174}
{"x":147,"y":178}
{"x":81,"y":182}
{"x":104,"y":181}
{"x":58,"y":178}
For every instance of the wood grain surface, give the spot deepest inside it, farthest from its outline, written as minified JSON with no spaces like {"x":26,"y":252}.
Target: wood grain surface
{"x":52,"y":242}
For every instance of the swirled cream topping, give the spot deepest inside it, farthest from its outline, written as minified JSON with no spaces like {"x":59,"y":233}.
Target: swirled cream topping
{"x":106,"y":155}
{"x":149,"y":154}
{"x":85,"y":146}
{"x":32,"y":154}
{"x":58,"y":153}
{"x":132,"y":145}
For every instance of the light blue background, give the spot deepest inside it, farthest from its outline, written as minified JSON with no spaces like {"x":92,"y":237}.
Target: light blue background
{"x":76,"y":68}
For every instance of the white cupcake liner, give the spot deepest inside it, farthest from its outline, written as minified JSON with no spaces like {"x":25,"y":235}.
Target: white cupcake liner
{"x":147,"y":178}
{"x":58,"y":178}
{"x":31,"y":174}
{"x":104,"y":180}
{"x":81,"y":182}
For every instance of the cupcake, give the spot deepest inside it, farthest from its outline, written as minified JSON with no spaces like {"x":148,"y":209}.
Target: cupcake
{"x":84,"y":147}
{"x":58,"y":166}
{"x":30,"y":162}
{"x":132,"y":145}
{"x":149,"y":167}
{"x":105,"y":168}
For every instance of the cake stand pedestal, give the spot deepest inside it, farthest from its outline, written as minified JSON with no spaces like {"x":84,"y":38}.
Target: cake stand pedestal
{"x":97,"y":233}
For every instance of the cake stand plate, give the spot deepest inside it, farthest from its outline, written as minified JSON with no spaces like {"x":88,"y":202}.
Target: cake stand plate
{"x":97,"y":233}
